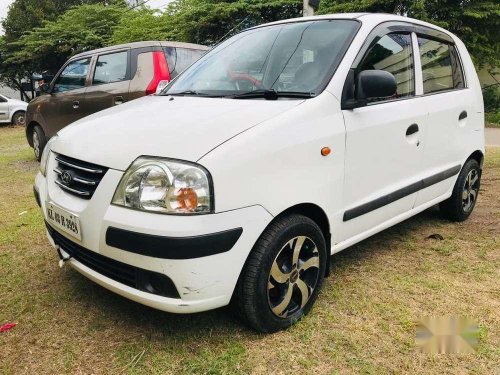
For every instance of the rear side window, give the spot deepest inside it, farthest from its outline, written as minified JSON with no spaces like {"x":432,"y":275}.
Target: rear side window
{"x":179,"y":59}
{"x":441,"y":69}
{"x":111,"y":68}
{"x":394,"y":54}
{"x":73,"y":76}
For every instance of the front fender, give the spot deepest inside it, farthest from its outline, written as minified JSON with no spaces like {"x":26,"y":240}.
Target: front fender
{"x":278,"y":163}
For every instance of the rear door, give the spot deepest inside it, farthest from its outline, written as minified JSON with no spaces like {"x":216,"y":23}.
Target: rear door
{"x":110,"y":81}
{"x":383,"y":152}
{"x":4,"y":109}
{"x":67,"y":97}
{"x":450,"y":105}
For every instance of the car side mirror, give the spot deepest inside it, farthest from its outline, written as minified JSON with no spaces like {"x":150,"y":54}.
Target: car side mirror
{"x":373,"y":84}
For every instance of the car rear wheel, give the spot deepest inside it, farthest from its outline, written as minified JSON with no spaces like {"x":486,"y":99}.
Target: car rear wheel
{"x":283,"y":275}
{"x":39,"y":141}
{"x":19,"y":118}
{"x":464,"y":197}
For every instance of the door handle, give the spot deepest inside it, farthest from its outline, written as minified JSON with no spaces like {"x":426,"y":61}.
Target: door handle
{"x":412,"y":129}
{"x":462,"y":116}
{"x":118,"y":100}
{"x":76,"y":104}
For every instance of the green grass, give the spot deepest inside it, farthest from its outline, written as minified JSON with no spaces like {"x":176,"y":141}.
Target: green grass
{"x":363,"y":321}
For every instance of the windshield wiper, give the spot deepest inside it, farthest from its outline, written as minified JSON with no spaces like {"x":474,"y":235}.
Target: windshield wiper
{"x":272,"y":95}
{"x":187,"y":92}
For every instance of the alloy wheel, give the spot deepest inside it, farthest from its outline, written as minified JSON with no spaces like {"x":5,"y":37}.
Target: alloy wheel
{"x":470,"y":190}
{"x":293,"y":277}
{"x":20,"y":119}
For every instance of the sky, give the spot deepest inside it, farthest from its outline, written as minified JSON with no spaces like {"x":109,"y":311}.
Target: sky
{"x":4,"y":5}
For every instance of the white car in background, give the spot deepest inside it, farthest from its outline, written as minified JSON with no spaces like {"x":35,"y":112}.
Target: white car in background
{"x":285,"y":144}
{"x":12,"y":111}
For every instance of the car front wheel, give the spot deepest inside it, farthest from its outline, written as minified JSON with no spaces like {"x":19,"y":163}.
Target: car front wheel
{"x":283,"y":275}
{"x":39,"y":141}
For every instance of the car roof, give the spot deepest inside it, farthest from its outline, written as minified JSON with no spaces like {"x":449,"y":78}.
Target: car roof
{"x":149,"y":43}
{"x":370,"y":17}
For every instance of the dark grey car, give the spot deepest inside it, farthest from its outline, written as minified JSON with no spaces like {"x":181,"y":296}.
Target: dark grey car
{"x":99,"y":79}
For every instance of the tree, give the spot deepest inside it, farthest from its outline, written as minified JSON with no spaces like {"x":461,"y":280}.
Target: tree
{"x":203,"y":21}
{"x":79,"y":29}
{"x":476,"y":22}
{"x":17,"y":61}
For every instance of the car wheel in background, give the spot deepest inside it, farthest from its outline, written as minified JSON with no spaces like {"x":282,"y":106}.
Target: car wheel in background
{"x":39,"y":141}
{"x":463,"y":199}
{"x":19,"y":118}
{"x":283,"y":274}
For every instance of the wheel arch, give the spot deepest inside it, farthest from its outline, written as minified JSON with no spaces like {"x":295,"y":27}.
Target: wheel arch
{"x":17,"y":110}
{"x":318,"y":215}
{"x":477,"y":156}
{"x":313,"y":212}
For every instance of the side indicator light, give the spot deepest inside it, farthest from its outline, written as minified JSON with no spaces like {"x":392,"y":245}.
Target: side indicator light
{"x":325,"y":151}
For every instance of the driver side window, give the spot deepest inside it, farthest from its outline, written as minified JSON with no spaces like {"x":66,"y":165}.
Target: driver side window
{"x":394,"y":54}
{"x":73,"y":76}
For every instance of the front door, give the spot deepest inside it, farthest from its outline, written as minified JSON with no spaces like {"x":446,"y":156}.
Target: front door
{"x":383,"y":152}
{"x":67,"y":97}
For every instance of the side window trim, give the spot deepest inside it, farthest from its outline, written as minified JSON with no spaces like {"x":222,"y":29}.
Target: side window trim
{"x":462,"y":67}
{"x":419,"y":78}
{"x":94,"y":67}
{"x":424,"y":33}
{"x":91,"y":66}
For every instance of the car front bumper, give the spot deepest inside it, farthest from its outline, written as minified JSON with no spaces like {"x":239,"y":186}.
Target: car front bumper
{"x":194,"y":252}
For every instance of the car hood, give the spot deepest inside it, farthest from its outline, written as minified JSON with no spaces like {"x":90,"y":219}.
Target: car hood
{"x":179,"y":127}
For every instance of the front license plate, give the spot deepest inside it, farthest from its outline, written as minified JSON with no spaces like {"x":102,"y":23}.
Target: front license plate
{"x":63,"y":220}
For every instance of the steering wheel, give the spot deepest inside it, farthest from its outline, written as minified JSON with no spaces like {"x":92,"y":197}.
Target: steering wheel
{"x":235,"y":77}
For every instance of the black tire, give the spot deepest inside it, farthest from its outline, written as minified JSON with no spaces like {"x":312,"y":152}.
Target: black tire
{"x":39,"y":141}
{"x":252,"y":300}
{"x":464,"y":197}
{"x":19,"y":118}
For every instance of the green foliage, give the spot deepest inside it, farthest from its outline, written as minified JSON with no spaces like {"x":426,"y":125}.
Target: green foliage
{"x":476,"y":22}
{"x":17,"y":61}
{"x":81,"y":28}
{"x":491,"y":97}
{"x":202,"y":21}
{"x":138,"y":25}
{"x":24,"y":15}
{"x":41,"y":34}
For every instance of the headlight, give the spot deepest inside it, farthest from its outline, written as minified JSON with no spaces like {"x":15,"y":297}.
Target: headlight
{"x":45,"y":155}
{"x":165,"y":186}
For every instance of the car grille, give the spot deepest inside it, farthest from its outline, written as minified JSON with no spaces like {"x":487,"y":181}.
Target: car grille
{"x":78,"y":177}
{"x":134,"y":277}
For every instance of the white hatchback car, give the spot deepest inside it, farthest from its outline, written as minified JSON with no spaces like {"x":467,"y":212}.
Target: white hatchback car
{"x":12,"y":111}
{"x":285,"y":144}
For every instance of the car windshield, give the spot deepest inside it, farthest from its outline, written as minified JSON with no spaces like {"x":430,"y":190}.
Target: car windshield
{"x":295,"y":58}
